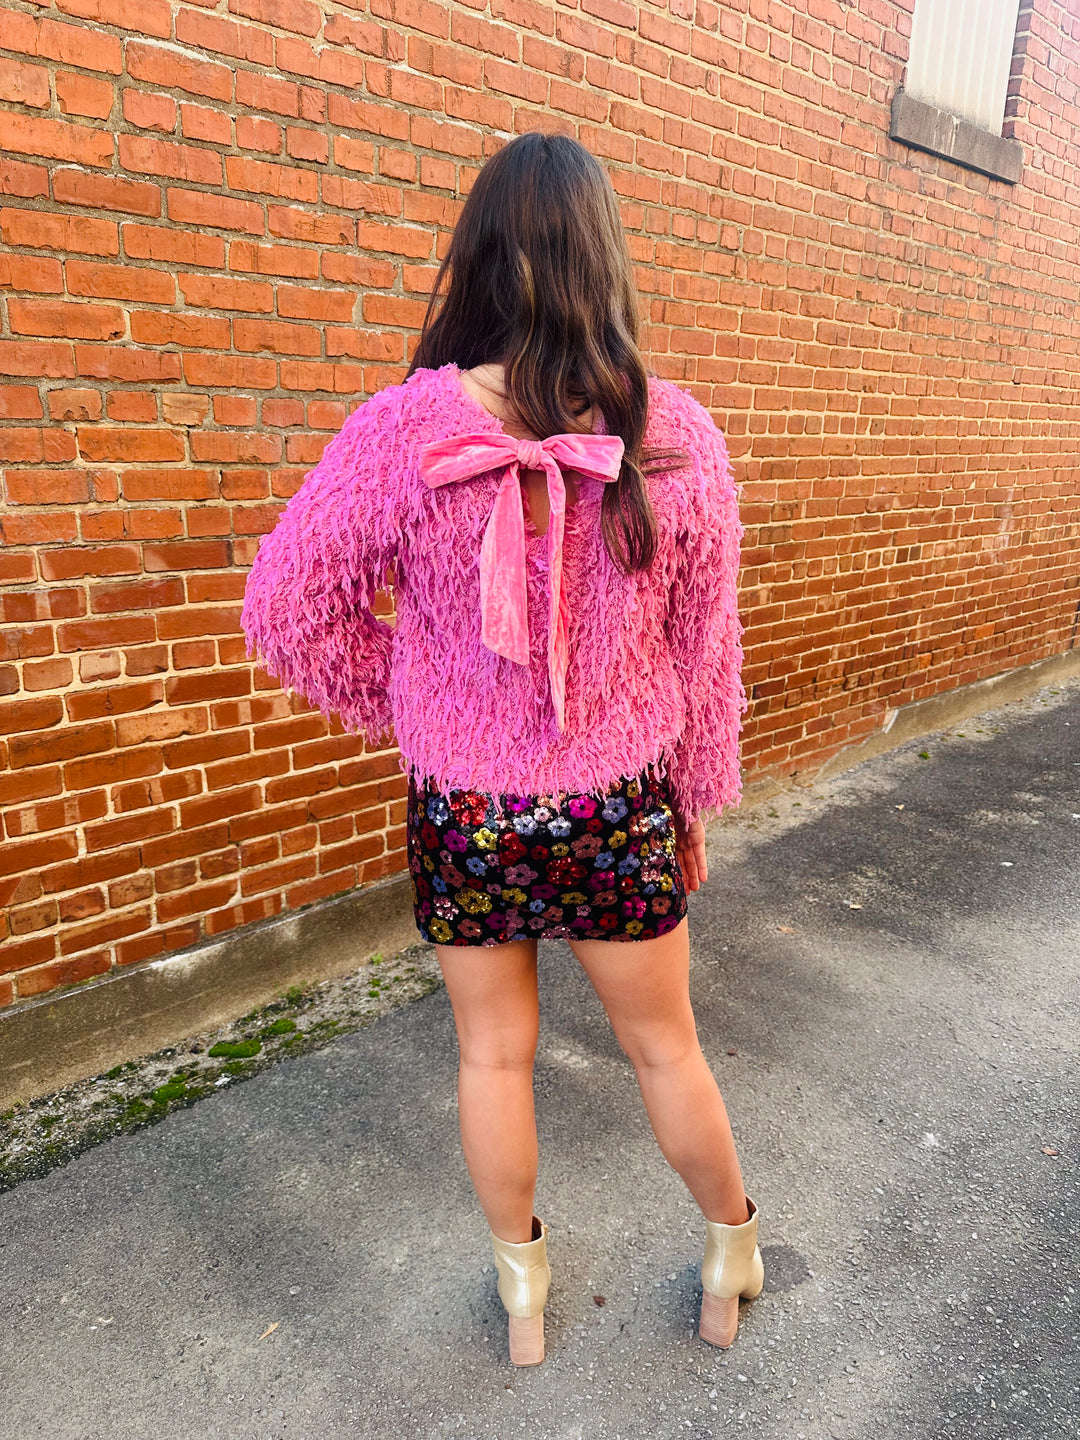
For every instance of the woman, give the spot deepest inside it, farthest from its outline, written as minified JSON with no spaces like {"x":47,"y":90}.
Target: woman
{"x":563,"y":685}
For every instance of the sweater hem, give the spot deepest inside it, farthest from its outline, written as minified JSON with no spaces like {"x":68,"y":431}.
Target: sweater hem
{"x":591,"y":780}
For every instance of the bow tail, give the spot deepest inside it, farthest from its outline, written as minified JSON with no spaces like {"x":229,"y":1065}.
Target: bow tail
{"x":503,"y":590}
{"x":559,"y":612}
{"x":558,"y":657}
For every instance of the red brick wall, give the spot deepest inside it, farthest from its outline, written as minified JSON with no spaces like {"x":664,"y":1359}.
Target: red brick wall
{"x":219,"y":222}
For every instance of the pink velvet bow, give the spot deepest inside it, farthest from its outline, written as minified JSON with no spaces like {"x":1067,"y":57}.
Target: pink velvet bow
{"x":503,"y":593}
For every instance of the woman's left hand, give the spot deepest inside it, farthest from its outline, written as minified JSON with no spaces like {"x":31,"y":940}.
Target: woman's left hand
{"x":690,"y":849}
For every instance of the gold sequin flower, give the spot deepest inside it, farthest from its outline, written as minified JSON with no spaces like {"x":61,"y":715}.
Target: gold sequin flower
{"x":472,"y":901}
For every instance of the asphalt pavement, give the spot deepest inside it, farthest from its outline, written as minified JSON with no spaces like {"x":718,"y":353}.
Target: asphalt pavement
{"x":885,"y":975}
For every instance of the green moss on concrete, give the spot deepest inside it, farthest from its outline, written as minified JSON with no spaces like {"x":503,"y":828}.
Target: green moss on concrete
{"x":235,"y":1050}
{"x":279,"y":1027}
{"x":44,"y":1133}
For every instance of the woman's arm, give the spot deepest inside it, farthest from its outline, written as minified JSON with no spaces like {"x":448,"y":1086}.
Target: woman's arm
{"x":307,"y":605}
{"x":704,"y":632}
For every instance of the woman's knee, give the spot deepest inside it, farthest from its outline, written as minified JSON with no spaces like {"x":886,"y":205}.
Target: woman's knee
{"x":497,"y":1040}
{"x":502,"y":1051}
{"x":656,"y":1046}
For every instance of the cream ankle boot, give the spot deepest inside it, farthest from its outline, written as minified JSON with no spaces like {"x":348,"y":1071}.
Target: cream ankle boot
{"x":524,"y":1277}
{"x":732,"y":1267}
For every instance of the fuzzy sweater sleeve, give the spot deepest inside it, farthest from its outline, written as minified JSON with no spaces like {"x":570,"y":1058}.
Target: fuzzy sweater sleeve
{"x":307,"y":604}
{"x":704,"y":632}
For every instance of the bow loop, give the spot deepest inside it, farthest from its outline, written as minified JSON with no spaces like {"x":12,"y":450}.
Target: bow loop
{"x":531,"y":454}
{"x":503,"y":588}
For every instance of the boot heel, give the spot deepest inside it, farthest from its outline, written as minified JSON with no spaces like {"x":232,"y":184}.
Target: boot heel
{"x":526,"y":1339}
{"x":719,"y":1319}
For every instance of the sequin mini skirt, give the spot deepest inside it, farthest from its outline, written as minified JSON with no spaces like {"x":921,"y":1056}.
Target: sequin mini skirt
{"x":487,"y":869}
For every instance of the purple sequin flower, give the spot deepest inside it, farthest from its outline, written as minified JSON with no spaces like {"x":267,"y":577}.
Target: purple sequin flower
{"x":582,"y":806}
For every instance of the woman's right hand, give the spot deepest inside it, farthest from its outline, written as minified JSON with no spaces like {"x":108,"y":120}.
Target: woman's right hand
{"x":690,"y":849}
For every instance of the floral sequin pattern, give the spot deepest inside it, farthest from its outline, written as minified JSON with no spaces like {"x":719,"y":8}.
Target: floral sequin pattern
{"x":487,"y":869}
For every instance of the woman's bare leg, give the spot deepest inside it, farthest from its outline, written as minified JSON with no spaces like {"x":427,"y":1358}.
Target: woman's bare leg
{"x":493,"y":991}
{"x":644,"y":987}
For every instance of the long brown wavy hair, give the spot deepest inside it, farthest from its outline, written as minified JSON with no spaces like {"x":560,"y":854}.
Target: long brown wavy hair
{"x":538,"y":279}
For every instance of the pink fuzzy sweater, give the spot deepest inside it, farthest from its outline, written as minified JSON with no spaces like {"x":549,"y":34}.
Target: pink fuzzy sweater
{"x":653,"y":674}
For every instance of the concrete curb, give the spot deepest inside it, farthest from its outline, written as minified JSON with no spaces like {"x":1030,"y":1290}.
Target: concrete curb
{"x":937,"y":712}
{"x":63,"y":1038}
{"x":73,"y":1035}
